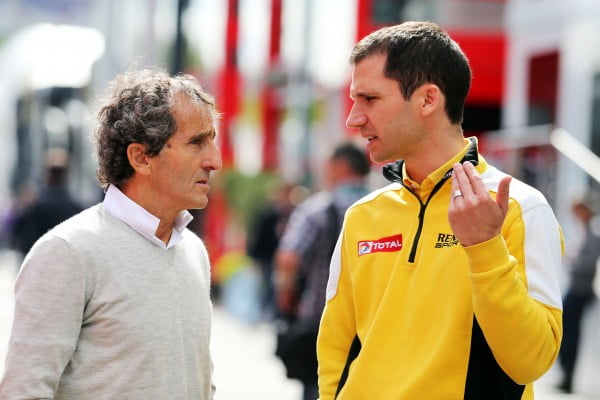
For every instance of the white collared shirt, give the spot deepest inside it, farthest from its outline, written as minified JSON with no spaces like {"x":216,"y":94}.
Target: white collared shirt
{"x":137,"y":217}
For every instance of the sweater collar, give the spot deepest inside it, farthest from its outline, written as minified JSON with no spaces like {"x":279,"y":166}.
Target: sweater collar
{"x":122,"y":207}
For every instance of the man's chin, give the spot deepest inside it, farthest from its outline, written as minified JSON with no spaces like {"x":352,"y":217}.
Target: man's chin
{"x":198,"y":205}
{"x":377,"y":158}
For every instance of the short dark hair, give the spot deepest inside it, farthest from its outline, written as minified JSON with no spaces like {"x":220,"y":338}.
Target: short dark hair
{"x":355,"y":157}
{"x":138,"y":109}
{"x":419,"y":53}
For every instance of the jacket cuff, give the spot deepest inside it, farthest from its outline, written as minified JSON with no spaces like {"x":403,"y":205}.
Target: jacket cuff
{"x":487,"y":255}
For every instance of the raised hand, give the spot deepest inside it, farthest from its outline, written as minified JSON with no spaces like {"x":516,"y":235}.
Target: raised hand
{"x":474,"y":215}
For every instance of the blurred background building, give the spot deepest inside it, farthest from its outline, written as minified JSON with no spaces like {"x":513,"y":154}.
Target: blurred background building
{"x":280,"y":72}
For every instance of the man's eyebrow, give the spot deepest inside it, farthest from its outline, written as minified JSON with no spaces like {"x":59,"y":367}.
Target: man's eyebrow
{"x":202,"y":136}
{"x":355,"y":94}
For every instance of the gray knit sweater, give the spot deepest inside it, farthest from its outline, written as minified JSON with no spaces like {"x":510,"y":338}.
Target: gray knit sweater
{"x":102,"y":313}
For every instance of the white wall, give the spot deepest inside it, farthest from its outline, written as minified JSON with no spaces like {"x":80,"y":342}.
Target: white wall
{"x":570,"y":27}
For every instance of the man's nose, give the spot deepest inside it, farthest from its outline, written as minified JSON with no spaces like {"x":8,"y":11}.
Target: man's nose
{"x":214,"y":160}
{"x":356,"y":118}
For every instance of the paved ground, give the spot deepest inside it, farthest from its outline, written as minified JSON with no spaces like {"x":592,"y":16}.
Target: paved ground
{"x":245,"y":368}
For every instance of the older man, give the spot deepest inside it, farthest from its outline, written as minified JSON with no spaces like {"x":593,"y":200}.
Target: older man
{"x":114,"y":302}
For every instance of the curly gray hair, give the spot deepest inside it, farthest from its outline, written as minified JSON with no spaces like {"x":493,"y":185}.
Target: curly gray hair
{"x":138,"y":109}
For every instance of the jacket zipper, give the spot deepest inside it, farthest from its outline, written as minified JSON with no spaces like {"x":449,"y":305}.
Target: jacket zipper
{"x":436,"y":188}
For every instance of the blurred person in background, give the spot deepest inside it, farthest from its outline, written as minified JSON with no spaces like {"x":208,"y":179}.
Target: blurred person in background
{"x":303,"y":257}
{"x":264,"y":237}
{"x":52,"y":206}
{"x":18,"y":203}
{"x":114,"y":302}
{"x":580,"y":293}
{"x":443,"y":284}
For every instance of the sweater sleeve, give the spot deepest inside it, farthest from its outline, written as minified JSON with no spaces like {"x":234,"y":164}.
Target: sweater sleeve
{"x":338,"y":328}
{"x":49,"y":302}
{"x":516,"y":295}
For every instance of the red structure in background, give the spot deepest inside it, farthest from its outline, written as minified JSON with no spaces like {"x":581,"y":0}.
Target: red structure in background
{"x":542,"y":92}
{"x":486,"y":54}
{"x":270,"y":104}
{"x":215,"y":221}
{"x":230,"y":88}
{"x":216,"y":215}
{"x":365,"y":23}
{"x":229,"y":84}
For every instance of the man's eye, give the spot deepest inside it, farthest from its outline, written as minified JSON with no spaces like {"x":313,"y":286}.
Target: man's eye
{"x":198,"y":143}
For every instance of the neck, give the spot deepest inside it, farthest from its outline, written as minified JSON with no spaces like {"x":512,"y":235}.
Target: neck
{"x":434,"y":153}
{"x":153,"y":205}
{"x":164,"y":231}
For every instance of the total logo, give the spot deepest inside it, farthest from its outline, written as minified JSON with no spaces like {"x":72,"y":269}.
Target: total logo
{"x":383,"y":245}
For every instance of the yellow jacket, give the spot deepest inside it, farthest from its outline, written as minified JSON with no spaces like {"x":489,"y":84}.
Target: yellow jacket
{"x":407,"y":304}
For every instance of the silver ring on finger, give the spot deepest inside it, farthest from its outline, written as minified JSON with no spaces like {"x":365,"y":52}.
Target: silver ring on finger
{"x":456,"y":193}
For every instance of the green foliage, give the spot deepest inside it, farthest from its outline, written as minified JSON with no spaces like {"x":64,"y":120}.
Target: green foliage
{"x":247,"y":194}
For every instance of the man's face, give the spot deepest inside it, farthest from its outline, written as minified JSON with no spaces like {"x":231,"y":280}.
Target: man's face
{"x":180,"y":171}
{"x":381,"y":113}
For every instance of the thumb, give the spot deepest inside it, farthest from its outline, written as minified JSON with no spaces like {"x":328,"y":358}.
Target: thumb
{"x":502,"y":193}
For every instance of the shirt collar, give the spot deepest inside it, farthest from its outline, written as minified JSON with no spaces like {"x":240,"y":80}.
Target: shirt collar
{"x":122,"y":207}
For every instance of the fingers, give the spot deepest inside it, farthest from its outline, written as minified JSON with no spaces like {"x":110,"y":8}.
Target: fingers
{"x":461,"y":182}
{"x":475,"y":180}
{"x":475,"y":216}
{"x":468,"y":181}
{"x":502,"y":194}
{"x":454,"y":186}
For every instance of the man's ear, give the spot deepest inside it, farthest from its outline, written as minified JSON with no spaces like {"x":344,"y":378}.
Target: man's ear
{"x":138,"y":159}
{"x":430,"y":95}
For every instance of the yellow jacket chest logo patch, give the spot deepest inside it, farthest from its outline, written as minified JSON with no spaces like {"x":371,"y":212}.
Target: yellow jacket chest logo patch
{"x":386,"y":244}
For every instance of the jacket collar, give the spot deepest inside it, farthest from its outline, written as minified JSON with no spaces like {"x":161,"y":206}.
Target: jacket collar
{"x":394,"y":172}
